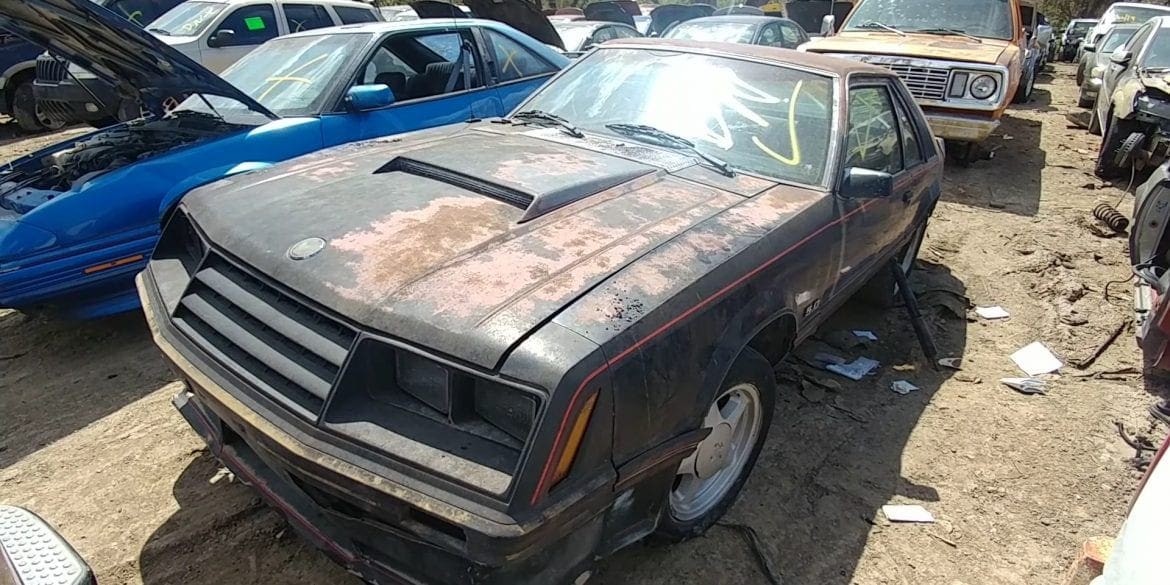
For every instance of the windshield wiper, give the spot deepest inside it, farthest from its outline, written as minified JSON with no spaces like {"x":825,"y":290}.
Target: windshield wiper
{"x":876,"y":24}
{"x":948,"y":31}
{"x":671,"y":141}
{"x":161,"y":31}
{"x":543,"y":116}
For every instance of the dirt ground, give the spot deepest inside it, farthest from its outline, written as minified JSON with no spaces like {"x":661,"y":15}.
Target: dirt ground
{"x":90,"y":441}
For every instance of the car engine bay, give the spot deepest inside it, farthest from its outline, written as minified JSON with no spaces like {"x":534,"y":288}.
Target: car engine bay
{"x":26,"y":185}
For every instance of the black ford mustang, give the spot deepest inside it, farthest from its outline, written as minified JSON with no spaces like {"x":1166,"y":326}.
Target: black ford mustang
{"x":493,"y":352}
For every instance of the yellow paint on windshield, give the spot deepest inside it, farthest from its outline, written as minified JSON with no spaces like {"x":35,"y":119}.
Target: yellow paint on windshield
{"x":795,"y":158}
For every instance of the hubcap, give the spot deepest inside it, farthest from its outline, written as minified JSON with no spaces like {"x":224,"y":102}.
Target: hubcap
{"x":705,"y":476}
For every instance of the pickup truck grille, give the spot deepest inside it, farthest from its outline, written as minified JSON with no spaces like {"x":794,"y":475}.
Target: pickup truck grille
{"x":283,"y":348}
{"x":50,"y":69}
{"x":925,"y":83}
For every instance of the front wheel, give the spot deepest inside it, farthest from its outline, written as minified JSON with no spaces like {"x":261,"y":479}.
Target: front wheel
{"x":709,"y":480}
{"x":1024,"y":91}
{"x":1116,"y":132}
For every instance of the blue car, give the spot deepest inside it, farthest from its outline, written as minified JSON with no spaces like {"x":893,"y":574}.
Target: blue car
{"x":80,"y":218}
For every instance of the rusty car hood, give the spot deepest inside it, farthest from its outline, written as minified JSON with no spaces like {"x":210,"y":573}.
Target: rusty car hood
{"x":461,"y":254}
{"x":925,"y":46}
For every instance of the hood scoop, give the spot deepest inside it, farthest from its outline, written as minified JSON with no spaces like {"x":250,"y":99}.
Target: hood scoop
{"x":528,"y":173}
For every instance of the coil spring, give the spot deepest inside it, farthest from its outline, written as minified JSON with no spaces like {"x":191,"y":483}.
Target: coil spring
{"x":1112,"y":218}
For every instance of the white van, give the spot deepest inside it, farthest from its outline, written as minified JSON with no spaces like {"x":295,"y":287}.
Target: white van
{"x":216,"y":33}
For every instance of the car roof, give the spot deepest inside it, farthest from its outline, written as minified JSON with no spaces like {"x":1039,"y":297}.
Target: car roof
{"x":743,"y":18}
{"x":832,"y":65}
{"x":380,"y":27}
{"x":1161,"y":21}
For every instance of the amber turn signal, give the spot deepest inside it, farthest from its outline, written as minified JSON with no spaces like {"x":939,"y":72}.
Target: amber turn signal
{"x":573,"y":444}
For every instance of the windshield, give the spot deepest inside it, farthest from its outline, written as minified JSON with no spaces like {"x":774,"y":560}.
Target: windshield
{"x":1132,"y":14}
{"x":1116,"y":39}
{"x":763,"y":119}
{"x":187,"y":19}
{"x":291,"y":76}
{"x":981,"y":18}
{"x":573,"y":35}
{"x":1082,"y":27}
{"x":726,"y":32}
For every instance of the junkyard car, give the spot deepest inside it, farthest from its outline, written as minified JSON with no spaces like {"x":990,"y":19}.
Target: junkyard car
{"x":447,"y":368}
{"x":581,"y":35}
{"x":742,"y":28}
{"x":1122,"y":13}
{"x":1132,"y":111}
{"x":1095,"y":60}
{"x":963,"y":60}
{"x":78,"y":219}
{"x":215,"y":33}
{"x":1070,"y":41}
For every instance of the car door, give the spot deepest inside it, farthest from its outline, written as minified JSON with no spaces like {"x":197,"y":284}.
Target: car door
{"x":437,"y":77}
{"x":246,"y":27}
{"x":516,"y":71}
{"x":875,"y":141}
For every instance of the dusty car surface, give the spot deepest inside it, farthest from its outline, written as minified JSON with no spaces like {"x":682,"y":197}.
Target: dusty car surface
{"x":1095,"y":60}
{"x":581,"y":35}
{"x":1132,"y":111}
{"x":456,"y":369}
{"x":742,"y":28}
{"x":963,"y":60}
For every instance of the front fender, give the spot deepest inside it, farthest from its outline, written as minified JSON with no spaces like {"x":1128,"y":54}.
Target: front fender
{"x":1123,"y":98}
{"x":200,"y":179}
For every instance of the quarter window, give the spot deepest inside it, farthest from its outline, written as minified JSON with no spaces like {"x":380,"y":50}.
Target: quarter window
{"x":791,"y":36}
{"x":252,"y":25}
{"x":873,"y":141}
{"x":350,"y":15}
{"x":513,"y":61}
{"x":306,"y":17}
{"x":770,"y":35}
{"x":911,"y":151}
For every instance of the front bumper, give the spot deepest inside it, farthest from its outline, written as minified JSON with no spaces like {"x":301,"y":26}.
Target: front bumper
{"x":959,"y":127}
{"x":68,"y":101}
{"x":380,"y":526}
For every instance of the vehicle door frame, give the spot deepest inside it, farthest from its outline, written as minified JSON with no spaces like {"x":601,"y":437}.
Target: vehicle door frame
{"x":325,"y":5}
{"x":489,"y":55}
{"x":357,"y":67}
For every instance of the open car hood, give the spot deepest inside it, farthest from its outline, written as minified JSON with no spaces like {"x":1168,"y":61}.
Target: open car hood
{"x":666,"y":15}
{"x":137,"y":64}
{"x":622,"y":11}
{"x":518,"y":14}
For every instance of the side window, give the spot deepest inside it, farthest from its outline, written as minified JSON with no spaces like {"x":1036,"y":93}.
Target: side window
{"x":140,"y":12}
{"x":791,"y":37}
{"x":602,"y":34}
{"x":770,"y":35}
{"x":622,"y":32}
{"x":421,"y":66}
{"x":513,"y":61}
{"x":873,"y":141}
{"x":911,"y":151}
{"x":252,"y":25}
{"x":350,"y":15}
{"x":306,"y":17}
{"x":1139,"y":38}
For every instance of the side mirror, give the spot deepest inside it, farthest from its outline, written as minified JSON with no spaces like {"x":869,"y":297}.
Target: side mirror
{"x":1121,"y":57}
{"x":828,"y":25}
{"x":361,"y":98}
{"x":221,"y":38}
{"x":1090,"y":48}
{"x":862,"y":183}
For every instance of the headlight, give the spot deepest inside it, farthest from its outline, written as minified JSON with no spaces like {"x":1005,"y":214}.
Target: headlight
{"x":1097,"y":71}
{"x":983,"y":87}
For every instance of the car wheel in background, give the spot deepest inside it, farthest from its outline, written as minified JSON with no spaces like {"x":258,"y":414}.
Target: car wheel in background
{"x":1082,"y":101}
{"x":1080,"y":74}
{"x":1116,"y":133}
{"x":709,"y":479}
{"x":1094,"y":121}
{"x":27,"y":114}
{"x":1024,"y":91}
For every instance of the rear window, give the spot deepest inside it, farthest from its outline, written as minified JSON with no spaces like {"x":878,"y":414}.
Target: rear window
{"x":350,"y":15}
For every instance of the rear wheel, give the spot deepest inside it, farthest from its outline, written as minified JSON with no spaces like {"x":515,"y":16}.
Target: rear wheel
{"x":709,"y":480}
{"x":1027,"y":82}
{"x":1116,"y":133}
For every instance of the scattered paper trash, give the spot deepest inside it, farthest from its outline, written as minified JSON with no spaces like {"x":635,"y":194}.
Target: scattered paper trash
{"x":903,"y":513}
{"x":1035,"y":359}
{"x":905,"y":368}
{"x":902,"y":387}
{"x":992,"y":313}
{"x":1025,"y":385}
{"x":865,"y":334}
{"x":953,"y":363}
{"x":854,"y":370}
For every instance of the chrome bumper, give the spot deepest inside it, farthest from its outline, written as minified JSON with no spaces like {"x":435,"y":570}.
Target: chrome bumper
{"x":961,"y":128}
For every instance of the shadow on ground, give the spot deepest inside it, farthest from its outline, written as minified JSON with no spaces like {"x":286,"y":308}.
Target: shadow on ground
{"x":1010,"y":184}
{"x":59,"y":376}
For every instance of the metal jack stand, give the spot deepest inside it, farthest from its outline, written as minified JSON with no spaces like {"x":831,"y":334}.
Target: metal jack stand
{"x":920,"y":330}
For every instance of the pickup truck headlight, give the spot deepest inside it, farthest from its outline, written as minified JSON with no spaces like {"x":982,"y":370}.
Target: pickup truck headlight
{"x":983,"y":87}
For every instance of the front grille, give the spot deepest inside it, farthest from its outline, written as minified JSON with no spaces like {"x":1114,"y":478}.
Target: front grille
{"x":50,"y":69}
{"x":925,"y":83}
{"x":285,"y":349}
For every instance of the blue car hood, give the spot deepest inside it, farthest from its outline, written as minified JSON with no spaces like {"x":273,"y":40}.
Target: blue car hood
{"x":137,"y":64}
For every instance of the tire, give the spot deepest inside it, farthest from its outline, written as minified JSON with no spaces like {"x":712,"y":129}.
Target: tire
{"x":1094,"y":121}
{"x":25,"y":111}
{"x":1082,"y":101}
{"x":1116,"y":131}
{"x":1024,"y":91}
{"x":882,"y":290}
{"x":1080,"y":74}
{"x":750,"y":380}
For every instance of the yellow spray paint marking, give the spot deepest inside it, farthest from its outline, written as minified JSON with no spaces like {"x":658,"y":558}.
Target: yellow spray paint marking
{"x":795,"y":159}
{"x":277,"y":79}
{"x":510,"y":61}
